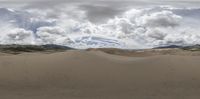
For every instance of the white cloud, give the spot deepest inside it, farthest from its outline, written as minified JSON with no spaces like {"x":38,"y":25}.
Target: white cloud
{"x":160,"y":19}
{"x":52,"y":35}
{"x":17,"y":36}
{"x":141,"y":27}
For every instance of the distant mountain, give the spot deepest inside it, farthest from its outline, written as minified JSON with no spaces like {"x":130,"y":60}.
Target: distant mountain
{"x":166,"y":50}
{"x":32,"y":48}
{"x":170,"y":46}
{"x":189,"y":48}
{"x":192,"y":48}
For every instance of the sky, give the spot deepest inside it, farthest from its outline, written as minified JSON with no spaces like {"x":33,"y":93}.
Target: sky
{"x":133,"y":24}
{"x":96,"y":9}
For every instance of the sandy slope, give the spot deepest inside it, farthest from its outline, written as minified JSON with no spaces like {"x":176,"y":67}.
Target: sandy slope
{"x":96,"y":75}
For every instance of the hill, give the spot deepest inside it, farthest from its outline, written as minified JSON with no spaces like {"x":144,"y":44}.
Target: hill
{"x":16,"y":49}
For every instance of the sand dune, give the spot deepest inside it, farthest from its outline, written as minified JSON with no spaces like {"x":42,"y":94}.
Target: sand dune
{"x":97,"y":75}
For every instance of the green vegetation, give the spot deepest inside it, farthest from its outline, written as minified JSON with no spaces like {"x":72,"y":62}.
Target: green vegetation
{"x":192,"y":48}
{"x":16,"y":49}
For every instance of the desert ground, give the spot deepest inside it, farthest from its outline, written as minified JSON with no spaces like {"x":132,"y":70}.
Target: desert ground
{"x":94,"y":74}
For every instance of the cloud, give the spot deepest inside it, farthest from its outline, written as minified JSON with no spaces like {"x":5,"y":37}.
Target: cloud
{"x":161,"y":19}
{"x":156,"y":34}
{"x":52,"y":35}
{"x":18,"y":36}
{"x":72,"y":26}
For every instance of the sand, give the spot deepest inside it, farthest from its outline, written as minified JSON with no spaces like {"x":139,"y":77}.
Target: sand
{"x":97,"y":75}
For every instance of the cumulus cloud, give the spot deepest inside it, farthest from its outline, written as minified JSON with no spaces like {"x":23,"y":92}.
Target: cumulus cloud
{"x":71,"y":26}
{"x":156,"y":34}
{"x":161,"y":19}
{"x":17,"y":36}
{"x":52,"y":35}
